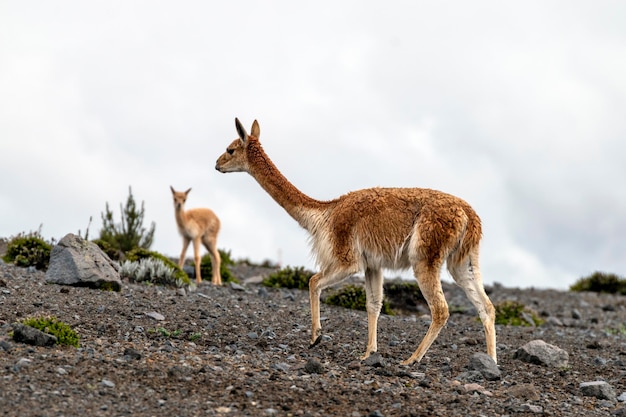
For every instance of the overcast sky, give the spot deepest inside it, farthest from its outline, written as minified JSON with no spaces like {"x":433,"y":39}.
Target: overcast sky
{"x":517,"y":107}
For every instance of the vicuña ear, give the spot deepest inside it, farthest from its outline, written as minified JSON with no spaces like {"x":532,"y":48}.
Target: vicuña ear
{"x":241,"y":131}
{"x":187,"y":192}
{"x":172,"y":188}
{"x":255,"y":131}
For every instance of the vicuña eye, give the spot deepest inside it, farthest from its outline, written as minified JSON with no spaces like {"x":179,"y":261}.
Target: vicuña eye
{"x":230,"y":151}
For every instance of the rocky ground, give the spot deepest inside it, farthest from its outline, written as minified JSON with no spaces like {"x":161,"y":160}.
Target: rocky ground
{"x":243,"y":351}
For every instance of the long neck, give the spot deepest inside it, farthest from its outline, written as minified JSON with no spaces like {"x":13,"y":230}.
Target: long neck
{"x":180,"y":215}
{"x":296,"y":203}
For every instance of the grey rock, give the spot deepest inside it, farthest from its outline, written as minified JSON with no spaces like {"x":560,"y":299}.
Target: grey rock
{"x":281,"y":366}
{"x":107,"y":383}
{"x":314,"y":367}
{"x":156,"y":316}
{"x":6,"y":346}
{"x":599,"y":389}
{"x":554,"y":321}
{"x":78,"y":262}
{"x":32,"y":336}
{"x":21,"y":363}
{"x":485,"y":364}
{"x":541,"y":353}
{"x":375,"y":360}
{"x":531,"y":408}
{"x":237,"y":287}
{"x":130,"y":353}
{"x":525,"y":391}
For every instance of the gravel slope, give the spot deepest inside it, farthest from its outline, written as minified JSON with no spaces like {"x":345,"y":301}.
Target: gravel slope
{"x":238,"y":351}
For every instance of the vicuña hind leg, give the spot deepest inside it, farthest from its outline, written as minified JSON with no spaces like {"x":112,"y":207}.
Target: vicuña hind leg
{"x":374,"y":297}
{"x":430,"y":286}
{"x":467,"y":276}
{"x":317,"y":283}
{"x":211,"y":247}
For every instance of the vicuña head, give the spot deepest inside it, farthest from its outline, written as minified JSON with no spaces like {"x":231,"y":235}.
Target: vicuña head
{"x":374,"y":229}
{"x":200,"y":226}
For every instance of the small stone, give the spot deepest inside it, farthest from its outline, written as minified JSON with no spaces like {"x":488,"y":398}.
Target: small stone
{"x":108,"y":384}
{"x":473,"y":387}
{"x":525,"y":391}
{"x":21,"y":363}
{"x":6,"y":346}
{"x":541,"y":353}
{"x":554,"y":321}
{"x":374,"y":360}
{"x":281,"y":366}
{"x":156,"y":316}
{"x":237,"y":287}
{"x":131,"y":353}
{"x":485,"y":364}
{"x":530,"y":408}
{"x":32,"y":336}
{"x":599,"y":389}
{"x":314,"y":367}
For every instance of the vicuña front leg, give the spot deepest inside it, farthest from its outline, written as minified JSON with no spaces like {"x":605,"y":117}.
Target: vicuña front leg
{"x":181,"y":260}
{"x":314,"y":301}
{"x":197,"y":259}
{"x":374,"y":298}
{"x":317,"y":283}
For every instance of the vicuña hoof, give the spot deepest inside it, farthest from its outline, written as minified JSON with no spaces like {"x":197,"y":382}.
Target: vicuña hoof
{"x":316,"y":342}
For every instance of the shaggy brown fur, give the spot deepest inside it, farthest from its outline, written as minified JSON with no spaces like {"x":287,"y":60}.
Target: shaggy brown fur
{"x":373,"y":229}
{"x":200,"y":226}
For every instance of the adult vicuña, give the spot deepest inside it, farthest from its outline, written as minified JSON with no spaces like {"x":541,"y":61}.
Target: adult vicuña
{"x":200,"y":226}
{"x":376,"y":228}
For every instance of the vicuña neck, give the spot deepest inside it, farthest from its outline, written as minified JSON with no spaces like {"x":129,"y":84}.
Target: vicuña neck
{"x":180,"y":216}
{"x":295,"y":202}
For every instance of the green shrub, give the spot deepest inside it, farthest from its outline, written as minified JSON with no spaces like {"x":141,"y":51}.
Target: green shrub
{"x":289,"y":277}
{"x":206,"y":268}
{"x":266,"y":263}
{"x":512,"y":313}
{"x":111,"y":252}
{"x":142,"y":265}
{"x":354,"y":297}
{"x":403,"y":295}
{"x":601,"y":282}
{"x":51,"y":325}
{"x":26,"y":250}
{"x":130,"y":233}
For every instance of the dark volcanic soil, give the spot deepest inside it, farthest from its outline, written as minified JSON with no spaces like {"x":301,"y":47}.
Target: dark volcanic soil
{"x":244,"y":351}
